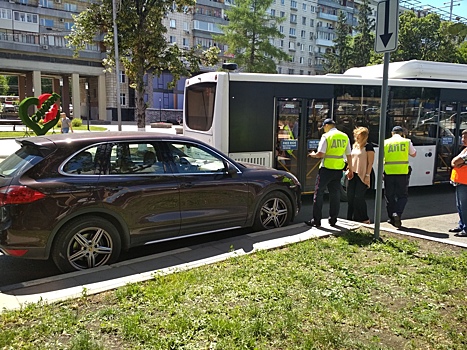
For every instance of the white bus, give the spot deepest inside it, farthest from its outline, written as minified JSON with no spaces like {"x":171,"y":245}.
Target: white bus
{"x":275,"y":120}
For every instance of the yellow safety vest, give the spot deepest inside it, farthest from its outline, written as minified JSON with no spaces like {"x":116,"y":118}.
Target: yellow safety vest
{"x":291,"y":137}
{"x":396,"y":156}
{"x":337,"y":143}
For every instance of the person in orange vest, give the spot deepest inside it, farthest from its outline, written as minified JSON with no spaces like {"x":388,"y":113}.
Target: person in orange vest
{"x":397,"y":150}
{"x":333,"y":149}
{"x":459,"y":180}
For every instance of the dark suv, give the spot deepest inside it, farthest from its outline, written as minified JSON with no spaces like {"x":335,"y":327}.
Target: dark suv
{"x":81,"y":198}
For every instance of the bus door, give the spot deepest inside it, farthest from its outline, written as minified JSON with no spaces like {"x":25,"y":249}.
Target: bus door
{"x":317,"y":111}
{"x":293,"y":115}
{"x":452,"y":121}
{"x":288,"y":112}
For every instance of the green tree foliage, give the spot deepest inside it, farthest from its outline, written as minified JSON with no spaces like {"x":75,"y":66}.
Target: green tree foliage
{"x":248,"y":36}
{"x":363,"y":42}
{"x":425,"y":38}
{"x":339,"y":58}
{"x":4,"y":87}
{"x":142,"y":43}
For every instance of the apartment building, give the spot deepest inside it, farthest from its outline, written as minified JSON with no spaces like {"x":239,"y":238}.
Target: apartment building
{"x":33,"y":47}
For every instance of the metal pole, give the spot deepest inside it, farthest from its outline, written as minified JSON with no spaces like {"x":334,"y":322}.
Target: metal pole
{"x":89,"y":103}
{"x":160,"y":110}
{"x":382,"y":133}
{"x":117,"y":64}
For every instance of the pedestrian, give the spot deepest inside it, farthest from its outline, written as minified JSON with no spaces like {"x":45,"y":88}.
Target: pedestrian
{"x":397,"y":150}
{"x":459,"y":180}
{"x":363,"y":156}
{"x":333,"y":146}
{"x":65,"y":123}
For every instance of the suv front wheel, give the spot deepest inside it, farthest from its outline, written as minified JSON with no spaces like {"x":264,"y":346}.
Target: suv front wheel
{"x":85,"y":243}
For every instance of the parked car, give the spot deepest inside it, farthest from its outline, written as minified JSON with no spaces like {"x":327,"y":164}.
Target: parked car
{"x":10,"y":108}
{"x":83,"y":198}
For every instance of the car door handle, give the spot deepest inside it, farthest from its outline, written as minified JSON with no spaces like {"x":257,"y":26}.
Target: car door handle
{"x":186,"y":185}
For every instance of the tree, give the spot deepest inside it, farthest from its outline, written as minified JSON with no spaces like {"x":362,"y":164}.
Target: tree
{"x":338,"y":59}
{"x":363,"y":42}
{"x":142,"y":43}
{"x":248,"y":36}
{"x":4,"y":87}
{"x":424,"y":38}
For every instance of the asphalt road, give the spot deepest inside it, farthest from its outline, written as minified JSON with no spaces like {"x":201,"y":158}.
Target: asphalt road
{"x":430,"y":211}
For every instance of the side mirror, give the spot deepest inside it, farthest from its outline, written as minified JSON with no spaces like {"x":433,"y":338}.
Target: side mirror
{"x":231,"y":170}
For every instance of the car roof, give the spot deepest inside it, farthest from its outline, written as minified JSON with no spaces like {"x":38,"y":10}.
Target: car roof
{"x":98,"y":137}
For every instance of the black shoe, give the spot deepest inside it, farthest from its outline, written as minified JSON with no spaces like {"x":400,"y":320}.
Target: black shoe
{"x":461,"y":234}
{"x":332,"y":222}
{"x":313,"y":222}
{"x":397,"y":221}
{"x":457,"y":229}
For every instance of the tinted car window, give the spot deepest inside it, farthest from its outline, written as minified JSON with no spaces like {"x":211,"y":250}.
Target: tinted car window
{"x":83,"y":163}
{"x":24,"y":157}
{"x":192,"y":159}
{"x":135,"y":158}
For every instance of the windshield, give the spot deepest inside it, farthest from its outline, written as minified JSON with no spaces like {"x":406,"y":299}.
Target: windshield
{"x":199,"y":106}
{"x":23,"y":158}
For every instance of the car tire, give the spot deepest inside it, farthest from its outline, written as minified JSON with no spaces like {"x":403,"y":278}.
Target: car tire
{"x":274,"y":210}
{"x":85,"y":243}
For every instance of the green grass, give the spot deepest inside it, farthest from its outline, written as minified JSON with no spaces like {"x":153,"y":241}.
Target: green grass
{"x":343,"y":292}
{"x":15,"y":134}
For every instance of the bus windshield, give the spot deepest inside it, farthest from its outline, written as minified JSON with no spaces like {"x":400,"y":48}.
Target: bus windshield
{"x":199,"y":106}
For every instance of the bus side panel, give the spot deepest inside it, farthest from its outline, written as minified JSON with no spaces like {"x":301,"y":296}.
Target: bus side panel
{"x":251,"y":111}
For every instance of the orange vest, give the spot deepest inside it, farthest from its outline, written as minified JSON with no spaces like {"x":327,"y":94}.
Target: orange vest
{"x":459,"y":175}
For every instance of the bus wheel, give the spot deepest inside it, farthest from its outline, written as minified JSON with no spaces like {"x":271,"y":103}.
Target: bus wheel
{"x":275,"y":210}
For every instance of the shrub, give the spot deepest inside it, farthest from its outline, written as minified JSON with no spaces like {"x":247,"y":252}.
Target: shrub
{"x":76,"y":122}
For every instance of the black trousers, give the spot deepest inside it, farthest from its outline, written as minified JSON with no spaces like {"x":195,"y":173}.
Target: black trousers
{"x":396,"y":193}
{"x":356,"y":209}
{"x":330,"y":179}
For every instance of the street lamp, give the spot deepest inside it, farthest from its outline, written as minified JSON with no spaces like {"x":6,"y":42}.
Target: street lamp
{"x":86,"y":86}
{"x":160,"y":110}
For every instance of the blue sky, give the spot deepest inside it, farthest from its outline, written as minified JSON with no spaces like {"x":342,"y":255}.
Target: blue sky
{"x":459,"y":8}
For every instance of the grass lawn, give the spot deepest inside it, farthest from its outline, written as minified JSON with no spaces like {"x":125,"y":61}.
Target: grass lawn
{"x":341,"y":292}
{"x":15,"y":134}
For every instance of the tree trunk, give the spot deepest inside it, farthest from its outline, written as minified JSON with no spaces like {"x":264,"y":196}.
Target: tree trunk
{"x":140,"y":104}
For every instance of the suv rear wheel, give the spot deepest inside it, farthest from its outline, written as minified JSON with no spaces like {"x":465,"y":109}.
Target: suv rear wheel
{"x":86,"y":243}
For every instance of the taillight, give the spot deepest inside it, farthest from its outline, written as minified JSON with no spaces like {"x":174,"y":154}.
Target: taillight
{"x":19,"y":195}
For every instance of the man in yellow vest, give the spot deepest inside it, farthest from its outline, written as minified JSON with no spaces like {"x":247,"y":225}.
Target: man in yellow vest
{"x":333,"y":149}
{"x":459,"y":179}
{"x":397,"y":150}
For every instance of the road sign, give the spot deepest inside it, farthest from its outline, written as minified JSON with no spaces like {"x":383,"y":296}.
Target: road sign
{"x":387,"y":25}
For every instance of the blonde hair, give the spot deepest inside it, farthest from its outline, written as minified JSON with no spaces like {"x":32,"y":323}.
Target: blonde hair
{"x":360,"y":130}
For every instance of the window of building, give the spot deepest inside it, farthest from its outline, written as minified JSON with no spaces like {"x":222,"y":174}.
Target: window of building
{"x":312,"y":8}
{"x":291,"y":71}
{"x":273,"y":12}
{"x":293,"y":4}
{"x":279,"y":70}
{"x":122,"y":77}
{"x":281,"y":43}
{"x":281,"y":29}
{"x":293,"y":18}
{"x":282,"y":2}
{"x":68,"y":25}
{"x":310,"y":48}
{"x":25,"y":17}
{"x":303,"y":34}
{"x":301,"y":61}
{"x":291,"y":45}
{"x":304,"y":7}
{"x":312,"y":22}
{"x":46,"y":3}
{"x":172,"y":39}
{"x":301,"y":71}
{"x":172,"y":23}
{"x":304,"y":20}
{"x":46,"y":22}
{"x":186,"y":42}
{"x":282,"y":14}
{"x":123,"y":99}
{"x":70,"y":7}
{"x":186,"y":27}
{"x":292,"y":32}
{"x":5,"y":14}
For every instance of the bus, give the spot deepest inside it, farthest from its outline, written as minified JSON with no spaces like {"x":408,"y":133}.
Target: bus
{"x":275,"y":120}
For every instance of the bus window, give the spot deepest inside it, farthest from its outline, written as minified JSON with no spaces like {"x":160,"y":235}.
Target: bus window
{"x":199,"y":106}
